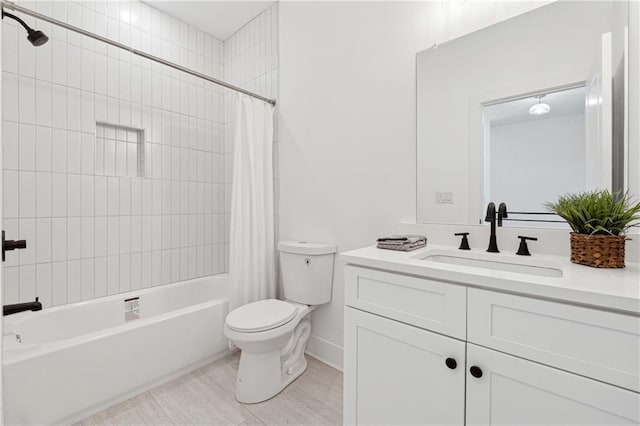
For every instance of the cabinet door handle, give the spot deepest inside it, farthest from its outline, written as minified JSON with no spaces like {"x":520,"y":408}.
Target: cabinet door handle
{"x":475,"y":371}
{"x":451,"y":363}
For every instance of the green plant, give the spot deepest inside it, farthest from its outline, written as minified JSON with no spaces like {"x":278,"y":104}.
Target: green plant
{"x":597,"y":212}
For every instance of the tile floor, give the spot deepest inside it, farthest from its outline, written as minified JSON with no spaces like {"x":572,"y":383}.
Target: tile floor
{"x":206,"y":397}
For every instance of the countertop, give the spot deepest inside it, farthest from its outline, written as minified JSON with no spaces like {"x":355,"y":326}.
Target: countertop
{"x":611,"y":289}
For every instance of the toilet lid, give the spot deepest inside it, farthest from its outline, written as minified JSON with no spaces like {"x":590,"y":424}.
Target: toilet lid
{"x":261,"y":316}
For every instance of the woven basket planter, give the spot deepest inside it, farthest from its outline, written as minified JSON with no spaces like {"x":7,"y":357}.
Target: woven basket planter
{"x":598,"y":251}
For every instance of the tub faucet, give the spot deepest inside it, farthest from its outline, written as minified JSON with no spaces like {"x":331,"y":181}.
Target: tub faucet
{"x":21,"y":307}
{"x":491,"y":217}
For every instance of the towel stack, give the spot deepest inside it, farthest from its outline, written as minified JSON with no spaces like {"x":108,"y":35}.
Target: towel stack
{"x":402,"y":242}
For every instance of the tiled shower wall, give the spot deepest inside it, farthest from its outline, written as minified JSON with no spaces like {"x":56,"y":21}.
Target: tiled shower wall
{"x":251,"y":62}
{"x":91,"y":235}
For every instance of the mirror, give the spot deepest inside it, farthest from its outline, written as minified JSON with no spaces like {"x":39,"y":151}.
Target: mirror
{"x":524,"y":111}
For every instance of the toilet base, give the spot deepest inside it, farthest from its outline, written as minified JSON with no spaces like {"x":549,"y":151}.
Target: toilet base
{"x":261,"y":376}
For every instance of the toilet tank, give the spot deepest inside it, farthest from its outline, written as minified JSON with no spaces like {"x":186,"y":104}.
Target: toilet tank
{"x":307,"y":271}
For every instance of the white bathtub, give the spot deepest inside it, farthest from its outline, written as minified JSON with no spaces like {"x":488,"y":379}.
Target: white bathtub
{"x":63,"y":363}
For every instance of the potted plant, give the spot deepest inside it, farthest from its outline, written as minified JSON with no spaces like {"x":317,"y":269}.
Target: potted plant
{"x":599,"y":220}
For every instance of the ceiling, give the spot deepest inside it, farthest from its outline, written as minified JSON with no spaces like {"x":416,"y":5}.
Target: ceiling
{"x":565,"y":102}
{"x":219,"y":18}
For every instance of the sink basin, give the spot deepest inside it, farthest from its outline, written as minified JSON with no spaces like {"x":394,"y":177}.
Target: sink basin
{"x":494,"y":261}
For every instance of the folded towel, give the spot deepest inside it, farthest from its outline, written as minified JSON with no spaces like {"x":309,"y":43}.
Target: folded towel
{"x":402,"y":247}
{"x":403,"y":239}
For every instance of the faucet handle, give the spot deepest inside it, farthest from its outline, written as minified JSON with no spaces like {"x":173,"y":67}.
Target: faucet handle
{"x":464,"y":243}
{"x":523,"y":249}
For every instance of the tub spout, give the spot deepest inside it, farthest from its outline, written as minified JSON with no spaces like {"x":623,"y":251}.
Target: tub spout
{"x":21,"y":307}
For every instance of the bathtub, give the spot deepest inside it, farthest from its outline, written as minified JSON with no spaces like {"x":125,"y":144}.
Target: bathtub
{"x":64,"y":363}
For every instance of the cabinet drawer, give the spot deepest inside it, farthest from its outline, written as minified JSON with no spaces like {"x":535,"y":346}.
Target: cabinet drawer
{"x":594,"y":343}
{"x":428,"y":304}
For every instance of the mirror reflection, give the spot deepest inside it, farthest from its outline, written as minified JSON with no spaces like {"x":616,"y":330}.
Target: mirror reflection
{"x":523,"y":111}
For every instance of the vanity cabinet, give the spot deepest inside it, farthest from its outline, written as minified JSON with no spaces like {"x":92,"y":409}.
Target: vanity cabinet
{"x":423,"y":351}
{"x":400,"y":374}
{"x":515,"y":391}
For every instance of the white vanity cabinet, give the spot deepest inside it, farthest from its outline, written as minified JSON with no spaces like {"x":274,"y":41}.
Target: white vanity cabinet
{"x":517,"y":359}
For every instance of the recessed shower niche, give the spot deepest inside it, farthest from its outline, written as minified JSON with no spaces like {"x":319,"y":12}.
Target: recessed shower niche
{"x":119,"y":151}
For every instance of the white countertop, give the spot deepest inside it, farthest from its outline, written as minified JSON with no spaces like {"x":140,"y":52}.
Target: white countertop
{"x":615,"y":289}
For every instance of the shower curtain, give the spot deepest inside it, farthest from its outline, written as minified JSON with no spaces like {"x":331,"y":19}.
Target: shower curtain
{"x":251,"y":243}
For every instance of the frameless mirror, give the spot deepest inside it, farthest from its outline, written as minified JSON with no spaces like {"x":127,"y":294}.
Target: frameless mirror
{"x":524,"y":111}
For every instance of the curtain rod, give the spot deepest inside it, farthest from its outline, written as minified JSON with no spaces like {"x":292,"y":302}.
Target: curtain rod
{"x":17,"y":8}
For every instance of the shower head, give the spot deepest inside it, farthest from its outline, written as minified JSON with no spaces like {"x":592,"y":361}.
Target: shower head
{"x":36,"y":37}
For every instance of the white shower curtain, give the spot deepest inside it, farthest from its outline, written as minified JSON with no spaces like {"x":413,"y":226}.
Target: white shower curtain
{"x":251,"y":243}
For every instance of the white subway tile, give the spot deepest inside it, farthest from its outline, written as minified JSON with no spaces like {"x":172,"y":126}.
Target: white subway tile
{"x":10,"y":97}
{"x":59,"y":283}
{"x":59,"y":151}
{"x":11,"y":285}
{"x":100,"y":236}
{"x":27,"y":194}
{"x":74,"y":195}
{"x":74,"y":109}
{"x":113,"y":196}
{"x":28,"y":283}
{"x":136,"y":271}
{"x":100,"y":195}
{"x":10,"y":145}
{"x":113,"y":274}
{"x":74,"y":238}
{"x":27,"y":100}
{"x":43,"y":194}
{"x":58,"y":239}
{"x":58,"y":106}
{"x":59,"y":62}
{"x":27,"y":147}
{"x":113,"y":235}
{"x":43,"y":103}
{"x":43,"y":149}
{"x":43,"y":240}
{"x":125,"y":234}
{"x":87,"y":290}
{"x":58,"y":194}
{"x":74,"y":66}
{"x":100,"y":276}
{"x":74,"y":281}
{"x":125,"y":272}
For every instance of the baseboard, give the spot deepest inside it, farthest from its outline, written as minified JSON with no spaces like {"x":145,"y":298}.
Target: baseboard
{"x":147,"y":387}
{"x":325,"y":351}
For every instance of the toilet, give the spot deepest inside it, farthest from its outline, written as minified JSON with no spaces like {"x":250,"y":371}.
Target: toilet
{"x":272,"y":334}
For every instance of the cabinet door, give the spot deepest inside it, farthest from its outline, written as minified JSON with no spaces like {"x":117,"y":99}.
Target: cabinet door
{"x":397,"y":374}
{"x":514,"y":391}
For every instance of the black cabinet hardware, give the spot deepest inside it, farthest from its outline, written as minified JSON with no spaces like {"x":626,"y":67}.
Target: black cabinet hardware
{"x":451,"y":363}
{"x":475,"y":371}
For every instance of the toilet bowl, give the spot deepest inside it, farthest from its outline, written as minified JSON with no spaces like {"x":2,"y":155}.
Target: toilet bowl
{"x":272,"y":334}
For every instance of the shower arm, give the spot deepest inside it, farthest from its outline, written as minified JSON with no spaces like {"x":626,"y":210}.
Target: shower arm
{"x":14,"y":17}
{"x":14,"y":7}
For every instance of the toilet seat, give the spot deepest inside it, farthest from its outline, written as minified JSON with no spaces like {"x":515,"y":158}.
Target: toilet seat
{"x":261,"y":316}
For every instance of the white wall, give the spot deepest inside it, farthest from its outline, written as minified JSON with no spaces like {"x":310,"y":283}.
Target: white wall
{"x":545,"y":156}
{"x":347,"y":124}
{"x":90,"y":235}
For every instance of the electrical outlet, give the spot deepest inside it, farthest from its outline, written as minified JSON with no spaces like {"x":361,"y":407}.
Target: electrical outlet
{"x":444,"y":197}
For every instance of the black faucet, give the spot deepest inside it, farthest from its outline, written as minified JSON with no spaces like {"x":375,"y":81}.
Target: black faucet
{"x":21,"y":307}
{"x":491,"y":217}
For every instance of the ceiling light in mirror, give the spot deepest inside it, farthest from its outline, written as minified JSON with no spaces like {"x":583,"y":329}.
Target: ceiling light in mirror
{"x":539,"y":108}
